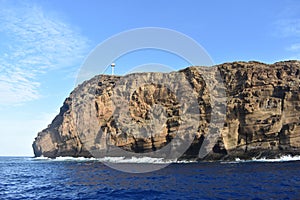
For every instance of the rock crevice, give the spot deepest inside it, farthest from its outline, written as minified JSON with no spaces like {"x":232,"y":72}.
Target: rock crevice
{"x":262,"y":114}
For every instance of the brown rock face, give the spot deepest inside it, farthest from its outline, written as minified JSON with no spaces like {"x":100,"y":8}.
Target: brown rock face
{"x":262,"y":113}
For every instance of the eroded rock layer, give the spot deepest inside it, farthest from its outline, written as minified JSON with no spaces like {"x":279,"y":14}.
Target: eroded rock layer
{"x":262,"y":113}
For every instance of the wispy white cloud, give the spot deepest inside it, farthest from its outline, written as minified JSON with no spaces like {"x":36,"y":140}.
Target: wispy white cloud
{"x":33,"y":42}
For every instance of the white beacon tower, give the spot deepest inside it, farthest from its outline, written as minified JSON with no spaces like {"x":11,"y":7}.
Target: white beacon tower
{"x":112,"y":68}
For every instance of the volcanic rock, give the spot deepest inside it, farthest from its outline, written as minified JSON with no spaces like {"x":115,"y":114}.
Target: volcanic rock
{"x":261,"y":107}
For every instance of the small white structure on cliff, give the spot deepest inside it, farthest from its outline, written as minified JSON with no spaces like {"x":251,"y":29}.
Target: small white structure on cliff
{"x":112,"y":68}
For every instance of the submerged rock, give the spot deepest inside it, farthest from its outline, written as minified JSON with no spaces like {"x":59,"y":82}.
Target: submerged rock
{"x":262,"y":113}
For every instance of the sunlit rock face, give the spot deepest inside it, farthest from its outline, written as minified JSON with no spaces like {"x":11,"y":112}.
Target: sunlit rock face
{"x":262,"y":113}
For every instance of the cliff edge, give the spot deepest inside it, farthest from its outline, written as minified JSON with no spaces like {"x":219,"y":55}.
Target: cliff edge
{"x":262,"y":114}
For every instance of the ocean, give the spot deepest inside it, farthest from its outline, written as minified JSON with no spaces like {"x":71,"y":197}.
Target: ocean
{"x":70,"y":178}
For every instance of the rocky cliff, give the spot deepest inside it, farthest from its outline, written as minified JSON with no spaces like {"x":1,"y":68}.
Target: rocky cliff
{"x":262,"y":113}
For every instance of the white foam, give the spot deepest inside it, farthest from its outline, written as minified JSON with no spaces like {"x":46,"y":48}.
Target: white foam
{"x":150,"y":160}
{"x":286,"y":158}
{"x":185,"y":161}
{"x":64,"y":158}
{"x":141,"y":160}
{"x":132,"y":160}
{"x":117,"y":160}
{"x":41,"y":158}
{"x":78,"y":159}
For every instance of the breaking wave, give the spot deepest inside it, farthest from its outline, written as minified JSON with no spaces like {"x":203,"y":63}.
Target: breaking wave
{"x":145,"y":160}
{"x":142,"y":160}
{"x":286,"y":158}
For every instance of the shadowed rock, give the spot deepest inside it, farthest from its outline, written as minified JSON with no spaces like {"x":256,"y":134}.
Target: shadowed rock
{"x":262,"y":114}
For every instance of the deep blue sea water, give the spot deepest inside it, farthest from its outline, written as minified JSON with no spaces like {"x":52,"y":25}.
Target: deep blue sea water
{"x":28,"y":178}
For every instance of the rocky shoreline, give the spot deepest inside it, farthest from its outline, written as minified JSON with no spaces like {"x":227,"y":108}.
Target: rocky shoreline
{"x":262,"y":114}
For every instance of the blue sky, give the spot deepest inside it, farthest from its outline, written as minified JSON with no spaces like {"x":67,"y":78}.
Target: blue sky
{"x":44,"y":43}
